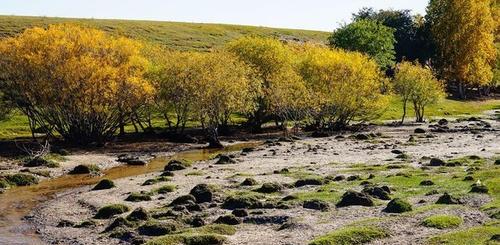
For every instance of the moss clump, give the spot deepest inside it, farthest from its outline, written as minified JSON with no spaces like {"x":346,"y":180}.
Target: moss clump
{"x":153,"y":228}
{"x":398,"y":205}
{"x":249,"y":182}
{"x":242,"y":201}
{"x":442,"y":221}
{"x":85,"y":169}
{"x":165,"y":189}
{"x":270,"y":188}
{"x":109,"y":211}
{"x":350,"y":235}
{"x":21,"y":179}
{"x":4,"y":184}
{"x":156,"y":180}
{"x":189,"y":239}
{"x":138,"y":197}
{"x":104,"y":184}
{"x":474,"y":235}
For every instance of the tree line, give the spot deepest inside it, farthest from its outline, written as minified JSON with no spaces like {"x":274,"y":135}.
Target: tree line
{"x":85,"y":85}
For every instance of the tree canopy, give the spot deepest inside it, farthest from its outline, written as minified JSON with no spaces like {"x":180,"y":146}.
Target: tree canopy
{"x":369,"y":37}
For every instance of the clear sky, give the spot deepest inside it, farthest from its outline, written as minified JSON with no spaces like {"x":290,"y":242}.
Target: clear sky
{"x":299,"y":14}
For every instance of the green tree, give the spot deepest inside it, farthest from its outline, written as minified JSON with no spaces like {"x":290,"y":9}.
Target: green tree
{"x":369,"y":37}
{"x":463,"y":32}
{"x":416,"y":84}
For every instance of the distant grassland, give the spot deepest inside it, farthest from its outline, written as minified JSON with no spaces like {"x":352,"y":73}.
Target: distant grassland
{"x":175,"y":35}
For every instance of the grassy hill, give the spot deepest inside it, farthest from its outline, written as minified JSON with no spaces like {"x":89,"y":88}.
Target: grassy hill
{"x":176,"y":35}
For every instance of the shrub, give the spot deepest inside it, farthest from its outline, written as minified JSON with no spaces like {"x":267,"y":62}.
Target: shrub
{"x":138,"y":197}
{"x":350,"y":235}
{"x":343,"y":86}
{"x":157,"y":229}
{"x":21,"y":179}
{"x":83,"y":84}
{"x":442,"y":221}
{"x":270,"y":188}
{"x":109,"y":211}
{"x":165,"y":189}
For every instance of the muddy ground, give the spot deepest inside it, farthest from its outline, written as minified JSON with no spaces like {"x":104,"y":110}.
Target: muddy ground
{"x":396,"y":157}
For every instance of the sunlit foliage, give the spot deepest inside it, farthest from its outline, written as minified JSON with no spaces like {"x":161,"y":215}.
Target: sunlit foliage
{"x":81,"y":82}
{"x":343,"y":86}
{"x":417,"y":85}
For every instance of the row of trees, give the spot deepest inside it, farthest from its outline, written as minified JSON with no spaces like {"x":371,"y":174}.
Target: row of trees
{"x":456,"y":37}
{"x":85,"y":85}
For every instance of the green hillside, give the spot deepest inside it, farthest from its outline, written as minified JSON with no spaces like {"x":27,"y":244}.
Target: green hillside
{"x":177,"y":35}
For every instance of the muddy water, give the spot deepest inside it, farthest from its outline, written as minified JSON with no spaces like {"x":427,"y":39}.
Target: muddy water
{"x":18,"y":202}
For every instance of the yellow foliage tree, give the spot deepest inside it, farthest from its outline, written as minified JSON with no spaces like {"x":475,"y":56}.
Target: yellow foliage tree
{"x":81,"y":82}
{"x":273,"y":64}
{"x":343,"y":86}
{"x":463,"y":31}
{"x":417,"y":84}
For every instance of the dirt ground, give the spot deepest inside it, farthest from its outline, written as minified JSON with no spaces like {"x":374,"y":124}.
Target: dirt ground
{"x":305,"y":157}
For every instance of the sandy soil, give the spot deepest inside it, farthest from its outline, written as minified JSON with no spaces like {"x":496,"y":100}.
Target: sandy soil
{"x":321,"y":156}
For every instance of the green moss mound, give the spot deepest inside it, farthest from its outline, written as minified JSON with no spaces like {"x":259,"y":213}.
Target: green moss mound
{"x":398,"y":205}
{"x":138,"y":197}
{"x":189,"y":239}
{"x":109,"y":211}
{"x":442,"y":221}
{"x":350,"y":235}
{"x":21,"y":179}
{"x":474,"y":235}
{"x":104,"y":184}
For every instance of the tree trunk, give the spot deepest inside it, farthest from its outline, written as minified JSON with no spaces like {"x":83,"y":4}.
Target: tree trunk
{"x":404,"y":112}
{"x":213,"y":138}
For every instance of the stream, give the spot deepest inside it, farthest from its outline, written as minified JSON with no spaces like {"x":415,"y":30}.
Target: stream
{"x":16,"y":203}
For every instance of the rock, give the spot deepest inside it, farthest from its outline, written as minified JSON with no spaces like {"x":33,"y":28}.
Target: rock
{"x":248,"y":149}
{"x":289,"y":198}
{"x":443,"y":122}
{"x":398,"y":205}
{"x":419,"y":131}
{"x":397,"y":152}
{"x":175,"y":165}
{"x":435,"y":162}
{"x":353,"y":178}
{"x":197,"y":222}
{"x":338,"y":178}
{"x":81,"y":169}
{"x":202,"y":193}
{"x":478,"y":188}
{"x":138,"y":214}
{"x":426,"y":183}
{"x":304,"y":182}
{"x":264,"y":220}
{"x":224,"y":159}
{"x":448,"y":199}
{"x":497,"y":162}
{"x":316,"y":205}
{"x":157,"y":228}
{"x":433,"y":192}
{"x":361,"y":137}
{"x":167,"y":174}
{"x":183,"y":200}
{"x":320,"y":134}
{"x":65,"y":223}
{"x":228,"y":220}
{"x":249,"y":182}
{"x":468,"y":178}
{"x":270,"y":188}
{"x":86,"y":224}
{"x":240,"y":212}
{"x":353,"y":198}
{"x":103,"y":185}
{"x":495,"y":238}
{"x":377,"y":192}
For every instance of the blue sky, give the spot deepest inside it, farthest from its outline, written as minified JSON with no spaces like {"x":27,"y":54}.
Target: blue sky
{"x":300,"y":14}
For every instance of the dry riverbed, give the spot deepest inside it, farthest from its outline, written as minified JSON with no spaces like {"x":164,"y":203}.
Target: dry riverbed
{"x":293,"y":191}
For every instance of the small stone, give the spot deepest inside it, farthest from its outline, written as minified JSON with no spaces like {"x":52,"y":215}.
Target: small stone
{"x":239,"y":212}
{"x":353,"y":198}
{"x":316,"y":205}
{"x":426,"y":183}
{"x":228,"y":220}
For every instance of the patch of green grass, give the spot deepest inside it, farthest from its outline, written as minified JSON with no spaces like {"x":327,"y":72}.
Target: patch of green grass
{"x":138,"y":197}
{"x":472,"y":236}
{"x":156,"y":180}
{"x":21,"y":179}
{"x":109,"y":211}
{"x":442,"y":221}
{"x":350,"y":235}
{"x":188,"y":239}
{"x":195,"y":173}
{"x":164,"y":189}
{"x":446,"y":107}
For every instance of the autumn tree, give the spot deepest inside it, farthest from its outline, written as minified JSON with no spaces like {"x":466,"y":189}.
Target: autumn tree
{"x":224,"y":86}
{"x":81,"y":82}
{"x":463,"y":32}
{"x":369,"y":37}
{"x":272,"y":62}
{"x":417,"y":85}
{"x":343,"y":86}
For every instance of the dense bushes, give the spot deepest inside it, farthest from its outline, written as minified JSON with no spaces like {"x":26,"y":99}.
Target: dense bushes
{"x":80,"y":82}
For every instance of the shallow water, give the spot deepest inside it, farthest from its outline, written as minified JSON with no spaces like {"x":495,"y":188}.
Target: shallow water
{"x":18,"y":202}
